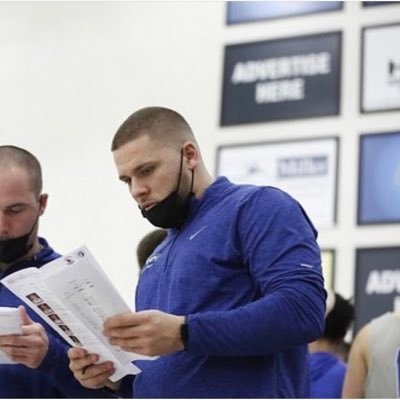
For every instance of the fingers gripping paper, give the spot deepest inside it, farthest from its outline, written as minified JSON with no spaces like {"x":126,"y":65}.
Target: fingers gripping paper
{"x":74,"y":296}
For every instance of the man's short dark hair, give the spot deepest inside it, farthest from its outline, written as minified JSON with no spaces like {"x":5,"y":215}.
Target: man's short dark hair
{"x":339,"y":319}
{"x":13,"y":155}
{"x":159,"y":123}
{"x":147,"y":245}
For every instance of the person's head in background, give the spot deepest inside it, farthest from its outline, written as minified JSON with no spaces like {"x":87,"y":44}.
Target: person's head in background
{"x":148,"y":244}
{"x":21,"y":204}
{"x":340,"y":315}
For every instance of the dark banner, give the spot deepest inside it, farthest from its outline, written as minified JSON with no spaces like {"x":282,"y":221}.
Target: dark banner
{"x":281,"y":79}
{"x":377,"y":283}
{"x":248,"y":11}
{"x":379,"y":3}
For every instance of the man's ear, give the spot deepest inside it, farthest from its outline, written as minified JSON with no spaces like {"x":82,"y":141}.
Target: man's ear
{"x":43,"y":203}
{"x":191,"y":154}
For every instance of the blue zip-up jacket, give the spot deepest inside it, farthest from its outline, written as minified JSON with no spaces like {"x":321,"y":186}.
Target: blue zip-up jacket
{"x":327,"y":376}
{"x":246,"y":271}
{"x":53,"y":378}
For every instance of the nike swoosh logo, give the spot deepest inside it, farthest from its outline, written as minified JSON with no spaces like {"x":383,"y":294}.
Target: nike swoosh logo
{"x":196,"y":233}
{"x":150,"y":262}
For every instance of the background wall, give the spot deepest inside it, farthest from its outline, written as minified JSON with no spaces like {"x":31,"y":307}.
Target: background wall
{"x":71,"y":72}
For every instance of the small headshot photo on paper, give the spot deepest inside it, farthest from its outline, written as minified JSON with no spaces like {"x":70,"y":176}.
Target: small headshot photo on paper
{"x":56,"y":319}
{"x":45,"y":308}
{"x":34,"y":298}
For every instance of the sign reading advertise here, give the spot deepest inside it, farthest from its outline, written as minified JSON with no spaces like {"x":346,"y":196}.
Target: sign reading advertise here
{"x":295,"y":77}
{"x":377,"y":283}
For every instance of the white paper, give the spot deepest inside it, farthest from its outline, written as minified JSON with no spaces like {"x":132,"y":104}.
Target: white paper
{"x":74,"y":296}
{"x":10,"y":324}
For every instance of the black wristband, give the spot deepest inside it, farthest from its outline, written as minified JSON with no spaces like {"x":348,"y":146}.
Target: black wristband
{"x":184,"y":334}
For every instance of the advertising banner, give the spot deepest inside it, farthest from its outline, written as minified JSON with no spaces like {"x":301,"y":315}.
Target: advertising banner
{"x":250,"y":11}
{"x":377,"y":283}
{"x":380,"y":78}
{"x":306,"y":169}
{"x":379,"y":178}
{"x":279,"y":79}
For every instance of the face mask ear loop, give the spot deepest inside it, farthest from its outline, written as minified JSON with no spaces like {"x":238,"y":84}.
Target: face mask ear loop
{"x":191,"y":185}
{"x":37,"y":218}
{"x":180,"y":171}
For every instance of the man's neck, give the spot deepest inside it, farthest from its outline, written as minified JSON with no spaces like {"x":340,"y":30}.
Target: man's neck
{"x":204,"y":181}
{"x":322,"y":345}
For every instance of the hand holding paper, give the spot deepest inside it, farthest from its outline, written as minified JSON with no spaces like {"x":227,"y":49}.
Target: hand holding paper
{"x":74,"y":296}
{"x":149,"y":332}
{"x":88,"y":372}
{"x":29,"y":345}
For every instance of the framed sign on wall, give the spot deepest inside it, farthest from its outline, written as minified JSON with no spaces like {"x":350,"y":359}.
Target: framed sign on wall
{"x":379,"y":3}
{"x":250,"y":11}
{"x":380,"y":75}
{"x":306,"y":169}
{"x":328,"y":267}
{"x":296,"y":77}
{"x":379,"y":179}
{"x":377,"y":283}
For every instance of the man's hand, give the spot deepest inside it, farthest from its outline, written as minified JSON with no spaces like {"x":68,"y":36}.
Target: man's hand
{"x":149,"y":332}
{"x":31,"y":347}
{"x":88,"y":373}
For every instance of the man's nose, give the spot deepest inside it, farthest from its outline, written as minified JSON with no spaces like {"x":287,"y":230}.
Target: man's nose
{"x":138,"y":191}
{"x":4,"y":225}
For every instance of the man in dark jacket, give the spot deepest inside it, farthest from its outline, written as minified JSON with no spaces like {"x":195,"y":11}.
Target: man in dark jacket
{"x":34,"y":364}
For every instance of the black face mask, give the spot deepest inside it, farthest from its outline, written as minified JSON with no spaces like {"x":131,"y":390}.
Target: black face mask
{"x":15,"y":248}
{"x":173,"y":210}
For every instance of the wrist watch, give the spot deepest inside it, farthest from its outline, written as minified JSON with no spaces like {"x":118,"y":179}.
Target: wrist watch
{"x":184,"y":334}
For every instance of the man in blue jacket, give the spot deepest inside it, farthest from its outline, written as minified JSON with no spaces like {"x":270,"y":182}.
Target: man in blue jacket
{"x":234,"y":293}
{"x":40,"y":368}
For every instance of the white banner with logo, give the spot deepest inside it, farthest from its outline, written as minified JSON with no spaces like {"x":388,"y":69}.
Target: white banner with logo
{"x":306,"y":169}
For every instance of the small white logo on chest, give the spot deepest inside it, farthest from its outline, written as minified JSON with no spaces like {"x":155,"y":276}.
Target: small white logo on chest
{"x":196,"y":233}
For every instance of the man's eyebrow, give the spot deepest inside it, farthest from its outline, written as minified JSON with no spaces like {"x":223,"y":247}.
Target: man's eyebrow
{"x":14,"y":205}
{"x":132,"y":171}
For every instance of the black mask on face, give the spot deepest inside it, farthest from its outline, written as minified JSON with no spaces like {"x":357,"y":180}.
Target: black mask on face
{"x":15,"y":248}
{"x":173,"y":210}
